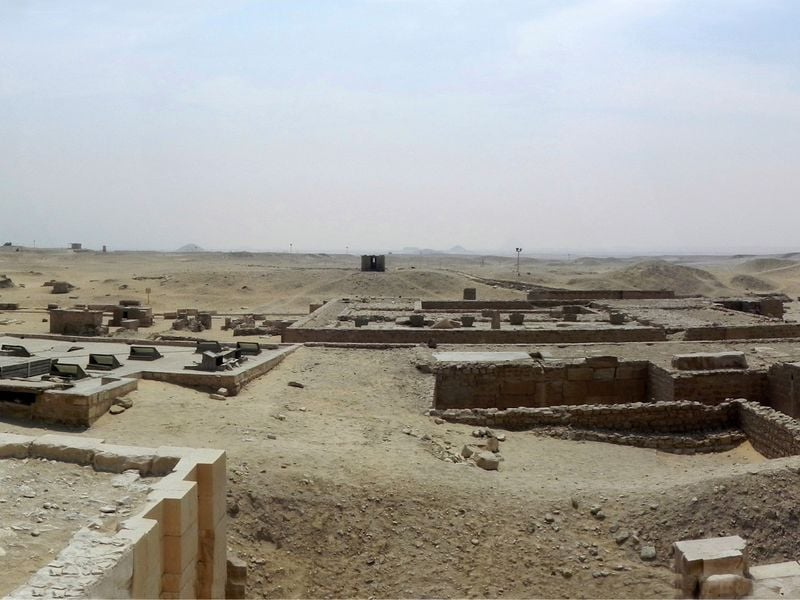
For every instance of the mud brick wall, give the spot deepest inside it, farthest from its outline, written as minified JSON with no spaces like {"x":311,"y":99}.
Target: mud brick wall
{"x":511,"y":385}
{"x":661,"y":384}
{"x":475,"y":305}
{"x":75,"y":322}
{"x":647,"y":418}
{"x":365,"y":335}
{"x":744,"y":332}
{"x":772,"y":433}
{"x":784,"y":388}
{"x":712,"y":387}
{"x":600,"y":294}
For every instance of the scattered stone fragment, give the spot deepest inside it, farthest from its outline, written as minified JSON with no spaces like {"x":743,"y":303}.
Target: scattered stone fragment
{"x":216,"y":397}
{"x":488,"y":461}
{"x":621,"y":537}
{"x":466,"y":451}
{"x":116,"y":409}
{"x":272,"y":436}
{"x":222,"y":391}
{"x":26,"y":492}
{"x":124,"y":402}
{"x":648,"y":553}
{"x":108,"y":510}
{"x":492,"y":445}
{"x":296,"y":384}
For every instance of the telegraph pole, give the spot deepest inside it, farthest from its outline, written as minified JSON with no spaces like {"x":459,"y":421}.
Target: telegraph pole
{"x":518,"y":251}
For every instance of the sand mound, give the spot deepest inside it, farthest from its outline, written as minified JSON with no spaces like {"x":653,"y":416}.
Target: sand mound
{"x":749,"y":282}
{"x":190,"y":248}
{"x":759,"y":265}
{"x":663,"y":275}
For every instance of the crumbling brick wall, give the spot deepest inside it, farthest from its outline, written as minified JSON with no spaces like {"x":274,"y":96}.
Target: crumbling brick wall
{"x":772,"y":433}
{"x":602,"y":380}
{"x":712,"y":387}
{"x":76,"y":322}
{"x":784,"y":388}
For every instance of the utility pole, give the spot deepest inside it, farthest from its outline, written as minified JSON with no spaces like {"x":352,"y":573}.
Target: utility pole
{"x":518,"y":251}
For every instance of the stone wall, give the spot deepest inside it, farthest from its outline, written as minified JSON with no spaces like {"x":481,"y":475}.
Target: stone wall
{"x":743,"y":332}
{"x":600,"y":294}
{"x":682,"y":427}
{"x":708,"y":387}
{"x":175,"y":548}
{"x":711,"y":387}
{"x":76,"y":322}
{"x":599,"y":380}
{"x":772,"y":433}
{"x":784,"y":388}
{"x":565,"y":335}
{"x":653,"y":425}
{"x":471,"y":305}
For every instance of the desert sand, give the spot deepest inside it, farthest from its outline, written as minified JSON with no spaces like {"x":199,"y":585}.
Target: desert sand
{"x":343,"y":488}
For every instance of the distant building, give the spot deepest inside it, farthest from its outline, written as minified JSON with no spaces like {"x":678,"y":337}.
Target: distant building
{"x":76,"y":246}
{"x":373,"y":262}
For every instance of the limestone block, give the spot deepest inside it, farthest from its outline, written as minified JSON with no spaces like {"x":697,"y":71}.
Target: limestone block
{"x":180,"y":551}
{"x":145,"y":535}
{"x":65,"y":448}
{"x":776,"y":570}
{"x":167,"y":458}
{"x":727,"y":562}
{"x":212,"y":561}
{"x":725,"y":586}
{"x":178,"y":506}
{"x":175,"y":582}
{"x":689,"y":557}
{"x":116,"y":459}
{"x":14,"y":446}
{"x":706,"y":361}
{"x":116,"y":581}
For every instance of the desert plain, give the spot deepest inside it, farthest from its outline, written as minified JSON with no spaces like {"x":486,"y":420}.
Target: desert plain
{"x":344,"y":486}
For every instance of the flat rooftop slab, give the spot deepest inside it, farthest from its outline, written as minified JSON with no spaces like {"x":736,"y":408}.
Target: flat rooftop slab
{"x":44,"y":503}
{"x":174,"y":360}
{"x":479,"y":357}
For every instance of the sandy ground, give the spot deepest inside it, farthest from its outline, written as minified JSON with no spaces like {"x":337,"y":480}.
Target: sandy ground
{"x":43,"y":503}
{"x":344,"y":503}
{"x":353,"y":497}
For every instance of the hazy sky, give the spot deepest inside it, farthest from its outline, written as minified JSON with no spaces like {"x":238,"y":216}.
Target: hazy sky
{"x":376,"y":124}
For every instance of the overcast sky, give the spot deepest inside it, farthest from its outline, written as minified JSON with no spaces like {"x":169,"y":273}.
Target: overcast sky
{"x":377,"y":124}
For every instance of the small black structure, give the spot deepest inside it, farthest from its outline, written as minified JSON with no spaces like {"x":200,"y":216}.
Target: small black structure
{"x":67,"y":370}
{"x":208,"y":346}
{"x":14,"y":350}
{"x":373,"y":262}
{"x":103,"y":362}
{"x":144,"y":353}
{"x":250,"y":348}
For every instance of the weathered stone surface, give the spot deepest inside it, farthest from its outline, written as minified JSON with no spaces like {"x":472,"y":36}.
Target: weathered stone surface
{"x":488,"y":461}
{"x":709,"y":361}
{"x":725,"y":586}
{"x":647,"y":553}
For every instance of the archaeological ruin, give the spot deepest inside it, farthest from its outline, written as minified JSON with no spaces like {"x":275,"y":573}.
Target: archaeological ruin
{"x":643,"y":369}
